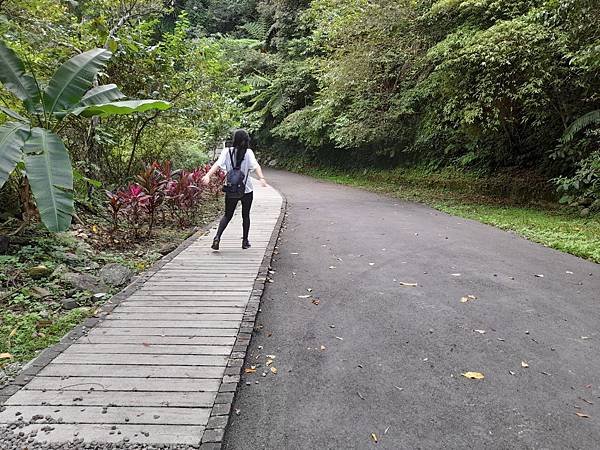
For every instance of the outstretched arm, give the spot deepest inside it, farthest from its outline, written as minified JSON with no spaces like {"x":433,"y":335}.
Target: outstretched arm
{"x":261,"y":177}
{"x":210,"y":173}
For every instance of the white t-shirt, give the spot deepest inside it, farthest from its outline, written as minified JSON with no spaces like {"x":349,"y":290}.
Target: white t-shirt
{"x":249,"y":163}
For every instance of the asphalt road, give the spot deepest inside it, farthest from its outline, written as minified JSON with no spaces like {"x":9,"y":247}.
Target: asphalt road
{"x":374,"y":356}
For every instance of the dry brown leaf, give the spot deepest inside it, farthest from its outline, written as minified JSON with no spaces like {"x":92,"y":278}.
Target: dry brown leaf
{"x":316,"y":301}
{"x":250,"y":370}
{"x":5,"y":356}
{"x":584,"y":415}
{"x":524,"y":365}
{"x":273,"y":369}
{"x":374,"y":437}
{"x":468,"y":298}
{"x":269,"y":362}
{"x":322,"y":347}
{"x":473,"y":375}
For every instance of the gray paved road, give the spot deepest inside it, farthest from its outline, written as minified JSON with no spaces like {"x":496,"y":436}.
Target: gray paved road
{"x":398,"y":367}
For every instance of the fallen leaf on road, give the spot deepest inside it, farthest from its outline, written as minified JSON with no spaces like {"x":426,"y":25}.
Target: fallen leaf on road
{"x":585,"y":337}
{"x":479,"y":331}
{"x":5,"y":356}
{"x":468,"y":298}
{"x":402,"y":283}
{"x":339,"y":338}
{"x":456,"y":274}
{"x":374,"y":437}
{"x":399,"y":388}
{"x":524,"y":365}
{"x":332,"y":267}
{"x":587,"y":401}
{"x":269,"y":362}
{"x":309,"y":290}
{"x":293,"y":253}
{"x":360,"y":395}
{"x":271,"y":356}
{"x":584,"y":415}
{"x":569,"y":272}
{"x":250,"y":370}
{"x":273,"y":369}
{"x":511,"y":372}
{"x":371,"y":264}
{"x":539,"y":275}
{"x":316,"y":301}
{"x":304,"y":296}
{"x":322,"y":347}
{"x":386,"y":430}
{"x":473,"y":375}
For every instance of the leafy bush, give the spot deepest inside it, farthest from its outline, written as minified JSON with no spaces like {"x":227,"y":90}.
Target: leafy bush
{"x":160,"y":190}
{"x":582,"y":189}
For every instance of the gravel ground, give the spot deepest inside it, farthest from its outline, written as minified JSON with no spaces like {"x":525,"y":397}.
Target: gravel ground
{"x":9,"y":372}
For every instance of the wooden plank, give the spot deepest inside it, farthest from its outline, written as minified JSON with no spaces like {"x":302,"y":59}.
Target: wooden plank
{"x":124,"y":384}
{"x":68,"y":357}
{"x":194,"y":324}
{"x":135,"y":303}
{"x":110,"y":400}
{"x":144,"y":372}
{"x":165,"y":331}
{"x":94,"y":415}
{"x":192,"y":309}
{"x":234,"y":316}
{"x":157,"y":434}
{"x":127,"y":348}
{"x":157,"y":340}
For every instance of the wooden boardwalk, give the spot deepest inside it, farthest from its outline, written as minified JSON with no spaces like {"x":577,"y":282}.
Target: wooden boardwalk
{"x":151,"y":370}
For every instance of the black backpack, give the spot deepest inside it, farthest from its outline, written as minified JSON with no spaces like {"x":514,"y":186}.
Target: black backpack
{"x":235,"y":186}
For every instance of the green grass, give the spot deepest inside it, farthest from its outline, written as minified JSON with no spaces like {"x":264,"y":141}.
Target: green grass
{"x":520,"y":204}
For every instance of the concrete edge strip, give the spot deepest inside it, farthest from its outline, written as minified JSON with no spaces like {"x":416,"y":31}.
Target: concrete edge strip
{"x":33,"y":367}
{"x":221,"y":411}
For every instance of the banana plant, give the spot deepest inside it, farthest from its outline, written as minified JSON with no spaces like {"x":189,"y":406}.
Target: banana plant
{"x":31,"y":137}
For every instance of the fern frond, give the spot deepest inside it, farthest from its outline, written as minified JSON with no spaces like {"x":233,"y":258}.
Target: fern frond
{"x":579,"y":124}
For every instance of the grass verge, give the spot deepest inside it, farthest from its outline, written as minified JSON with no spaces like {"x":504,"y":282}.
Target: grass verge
{"x":504,"y":202}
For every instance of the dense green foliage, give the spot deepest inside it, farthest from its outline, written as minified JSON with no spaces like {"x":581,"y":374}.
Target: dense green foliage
{"x":485,"y":84}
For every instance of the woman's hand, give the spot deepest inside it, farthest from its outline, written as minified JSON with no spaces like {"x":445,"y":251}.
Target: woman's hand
{"x":206,"y":179}
{"x":263,"y":182}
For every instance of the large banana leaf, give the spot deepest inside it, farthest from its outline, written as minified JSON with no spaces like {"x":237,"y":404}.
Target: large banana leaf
{"x":73,"y":79}
{"x":12,"y":138}
{"x":51,"y":178}
{"x":15,"y":115}
{"x":102,"y":94}
{"x":14,"y":78}
{"x":124,"y":107}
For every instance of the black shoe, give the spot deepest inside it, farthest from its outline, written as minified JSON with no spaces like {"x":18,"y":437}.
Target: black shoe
{"x":215,"y":244}
{"x":246,"y":244}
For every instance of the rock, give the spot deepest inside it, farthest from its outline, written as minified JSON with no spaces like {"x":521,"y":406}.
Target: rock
{"x":85,"y":282}
{"x":69,"y":303}
{"x":4,"y":244}
{"x":40,"y":271}
{"x":272,"y":163}
{"x":60,"y":270}
{"x":168,"y":248}
{"x":39,"y":292}
{"x":584,"y":212}
{"x":115,"y":274}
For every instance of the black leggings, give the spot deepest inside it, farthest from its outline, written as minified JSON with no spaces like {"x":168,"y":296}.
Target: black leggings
{"x":230,"y":204}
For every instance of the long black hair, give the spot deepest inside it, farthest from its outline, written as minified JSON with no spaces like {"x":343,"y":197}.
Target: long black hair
{"x":241,"y":142}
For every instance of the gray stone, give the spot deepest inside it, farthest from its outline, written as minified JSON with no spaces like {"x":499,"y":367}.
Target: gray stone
{"x":40,"y":271}
{"x":85,"y":281}
{"x":39,"y":292}
{"x":115,"y":274}
{"x":584,"y":212}
{"x":69,"y":303}
{"x":168,"y":248}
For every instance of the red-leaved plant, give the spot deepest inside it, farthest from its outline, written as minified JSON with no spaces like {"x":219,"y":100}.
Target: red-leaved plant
{"x":153,"y":183}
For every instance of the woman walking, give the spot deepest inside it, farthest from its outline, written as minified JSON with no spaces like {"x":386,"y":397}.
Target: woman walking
{"x":238,"y":161}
